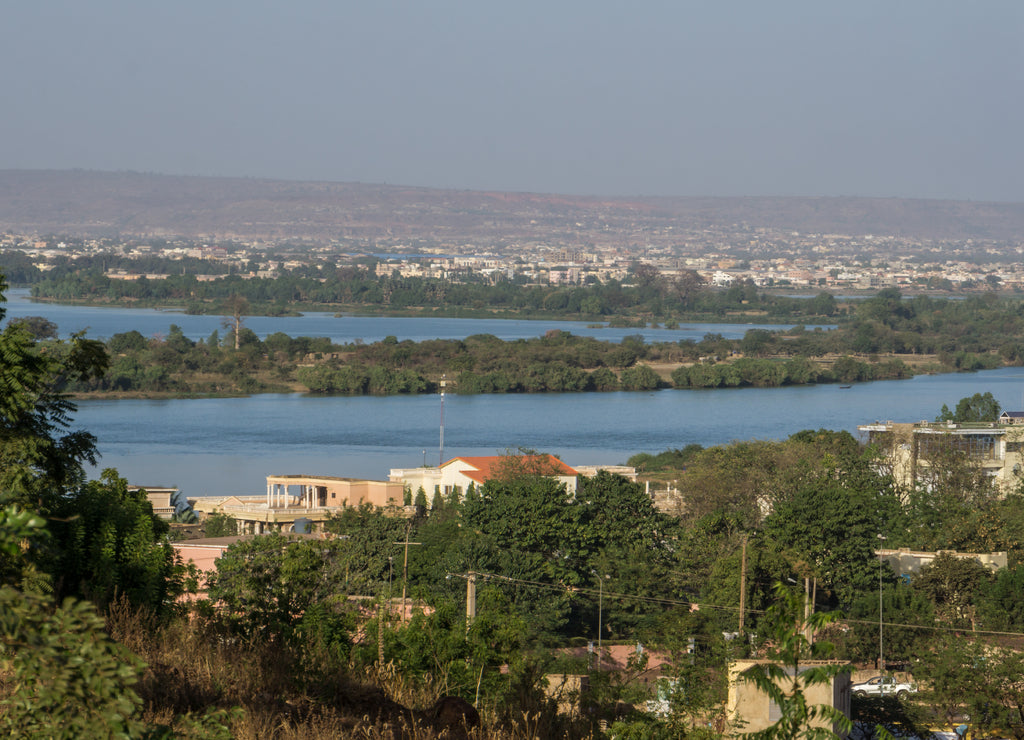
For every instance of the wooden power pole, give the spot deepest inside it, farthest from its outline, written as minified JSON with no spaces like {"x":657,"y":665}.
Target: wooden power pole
{"x":743,"y":584}
{"x":470,"y":599}
{"x":405,"y":564}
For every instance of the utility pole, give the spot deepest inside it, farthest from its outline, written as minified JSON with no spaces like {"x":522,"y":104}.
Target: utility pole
{"x":470,"y":599}
{"x":881,"y":659}
{"x":380,"y":636}
{"x":405,"y":565}
{"x":470,"y":577}
{"x":600,"y":610}
{"x":743,"y":584}
{"x":808,"y":609}
{"x":391,"y":562}
{"x":600,"y":605}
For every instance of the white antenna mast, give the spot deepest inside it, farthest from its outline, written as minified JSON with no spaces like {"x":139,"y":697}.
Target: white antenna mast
{"x":440,"y":456}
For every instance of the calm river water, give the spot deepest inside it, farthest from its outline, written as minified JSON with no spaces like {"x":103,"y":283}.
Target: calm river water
{"x":103,"y":323}
{"x":229,"y":446}
{"x":221,"y":446}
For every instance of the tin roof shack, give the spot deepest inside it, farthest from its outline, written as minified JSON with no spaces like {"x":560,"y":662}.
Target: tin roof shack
{"x":751,"y":710}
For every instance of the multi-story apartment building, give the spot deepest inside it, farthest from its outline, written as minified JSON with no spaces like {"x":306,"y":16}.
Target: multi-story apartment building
{"x":916,"y":450}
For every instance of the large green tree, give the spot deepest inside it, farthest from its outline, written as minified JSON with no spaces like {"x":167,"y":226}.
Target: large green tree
{"x":979,"y":407}
{"x":630,"y":545}
{"x":108,"y":544}
{"x":268,"y":582}
{"x":901,"y":605}
{"x":953,"y":584}
{"x":529,"y":532}
{"x":1001,"y":601}
{"x":982,"y":681}
{"x":366,"y":556}
{"x":829,"y":533}
{"x":41,"y":457}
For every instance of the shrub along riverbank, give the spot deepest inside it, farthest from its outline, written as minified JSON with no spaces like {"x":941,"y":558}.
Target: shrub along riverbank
{"x":352,"y":288}
{"x":558,"y":362}
{"x":886,"y":338}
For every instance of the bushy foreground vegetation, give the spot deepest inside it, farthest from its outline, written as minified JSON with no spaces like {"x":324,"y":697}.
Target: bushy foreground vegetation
{"x":307,"y":638}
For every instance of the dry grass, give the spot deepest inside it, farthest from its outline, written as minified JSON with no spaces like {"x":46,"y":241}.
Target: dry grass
{"x":266,"y":691}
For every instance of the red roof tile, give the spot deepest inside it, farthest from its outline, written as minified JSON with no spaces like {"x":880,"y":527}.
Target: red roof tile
{"x":482,"y":469}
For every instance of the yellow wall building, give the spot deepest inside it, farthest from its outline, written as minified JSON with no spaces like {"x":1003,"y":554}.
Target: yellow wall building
{"x":751,"y":710}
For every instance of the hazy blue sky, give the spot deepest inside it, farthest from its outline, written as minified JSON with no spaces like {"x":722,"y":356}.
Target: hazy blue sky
{"x":917,"y":98}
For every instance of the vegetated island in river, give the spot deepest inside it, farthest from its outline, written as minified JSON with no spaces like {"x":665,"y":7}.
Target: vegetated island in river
{"x":356,"y":289}
{"x":886,"y":338}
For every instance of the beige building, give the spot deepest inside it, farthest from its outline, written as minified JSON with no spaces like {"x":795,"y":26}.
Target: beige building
{"x":750,"y":710}
{"x":307,"y":499}
{"x":160,"y":498}
{"x":996,"y":447}
{"x":908,"y":562}
{"x":626,"y":471}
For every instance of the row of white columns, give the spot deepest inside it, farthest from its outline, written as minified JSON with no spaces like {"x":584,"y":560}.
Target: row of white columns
{"x":278,"y":496}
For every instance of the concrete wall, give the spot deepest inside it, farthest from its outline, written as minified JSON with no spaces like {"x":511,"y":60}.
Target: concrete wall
{"x":750,"y":710}
{"x":908,"y":562}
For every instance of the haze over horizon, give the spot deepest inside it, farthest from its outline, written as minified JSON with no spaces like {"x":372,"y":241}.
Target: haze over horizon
{"x":913,"y":99}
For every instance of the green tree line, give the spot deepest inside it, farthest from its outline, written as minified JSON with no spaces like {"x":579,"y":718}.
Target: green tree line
{"x":643,"y":293}
{"x":95,"y":642}
{"x":557,"y":362}
{"x":879,"y":341}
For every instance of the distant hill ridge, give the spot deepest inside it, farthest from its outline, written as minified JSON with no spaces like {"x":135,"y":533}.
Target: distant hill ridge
{"x":91,"y":203}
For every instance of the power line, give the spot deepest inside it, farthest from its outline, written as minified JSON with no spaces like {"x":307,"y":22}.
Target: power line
{"x":935,"y":627}
{"x":573,"y":590}
{"x":584,"y":591}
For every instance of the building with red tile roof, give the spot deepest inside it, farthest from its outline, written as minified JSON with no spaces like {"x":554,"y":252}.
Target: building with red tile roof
{"x":463,"y":471}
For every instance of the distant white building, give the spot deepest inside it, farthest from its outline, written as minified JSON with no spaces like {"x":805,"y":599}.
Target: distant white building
{"x":462,"y":471}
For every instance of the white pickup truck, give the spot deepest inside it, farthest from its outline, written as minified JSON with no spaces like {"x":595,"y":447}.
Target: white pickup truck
{"x":884,"y":686}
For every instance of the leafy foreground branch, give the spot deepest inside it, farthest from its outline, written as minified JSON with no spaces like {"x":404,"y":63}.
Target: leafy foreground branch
{"x":65,"y":677}
{"x":796,"y":666}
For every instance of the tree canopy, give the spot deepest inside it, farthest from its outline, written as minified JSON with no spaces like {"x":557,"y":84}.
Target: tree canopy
{"x":979,"y":407}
